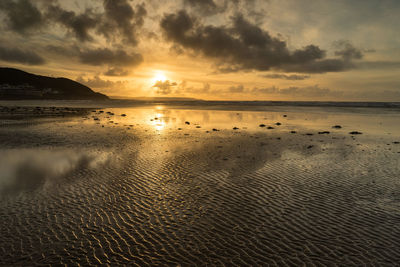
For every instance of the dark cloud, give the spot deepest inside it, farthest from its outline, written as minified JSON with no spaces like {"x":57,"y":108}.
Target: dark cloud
{"x":293,"y":77}
{"x":119,"y":21}
{"x":206,"y":7}
{"x":97,"y":82}
{"x":120,"y":17}
{"x":207,"y":4}
{"x":79,"y":24}
{"x":116,"y":71}
{"x":105,"y":56}
{"x":245,"y":46}
{"x":20,"y":56}
{"x":252,"y":8}
{"x":309,"y":53}
{"x":20,"y":15}
{"x":347,"y":51}
{"x":165,"y":87}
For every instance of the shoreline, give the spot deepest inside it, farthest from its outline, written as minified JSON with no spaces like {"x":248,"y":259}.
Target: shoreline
{"x":256,"y":104}
{"x":22,"y":112}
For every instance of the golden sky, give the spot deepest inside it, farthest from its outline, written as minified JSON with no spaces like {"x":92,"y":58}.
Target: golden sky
{"x":210,"y":49}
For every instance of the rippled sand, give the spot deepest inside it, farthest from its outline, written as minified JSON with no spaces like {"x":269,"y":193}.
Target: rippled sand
{"x":149,"y":189}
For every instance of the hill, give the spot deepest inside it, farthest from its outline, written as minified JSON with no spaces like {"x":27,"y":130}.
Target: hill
{"x":17,"y":84}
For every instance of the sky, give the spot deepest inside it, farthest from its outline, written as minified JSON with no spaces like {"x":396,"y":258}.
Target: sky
{"x":320,"y":50}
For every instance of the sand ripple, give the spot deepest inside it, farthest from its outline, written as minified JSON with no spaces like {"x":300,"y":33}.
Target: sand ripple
{"x":228,"y":199}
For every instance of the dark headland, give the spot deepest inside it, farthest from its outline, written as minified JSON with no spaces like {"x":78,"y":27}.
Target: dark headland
{"x":17,"y":85}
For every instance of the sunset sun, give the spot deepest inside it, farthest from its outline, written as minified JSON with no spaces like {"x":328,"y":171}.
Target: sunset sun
{"x":159,"y":76}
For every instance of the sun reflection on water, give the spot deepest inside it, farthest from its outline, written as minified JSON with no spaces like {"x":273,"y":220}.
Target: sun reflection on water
{"x":158,"y":121}
{"x":159,"y":125}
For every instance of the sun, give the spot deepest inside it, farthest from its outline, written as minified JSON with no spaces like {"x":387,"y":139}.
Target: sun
{"x":159,"y":76}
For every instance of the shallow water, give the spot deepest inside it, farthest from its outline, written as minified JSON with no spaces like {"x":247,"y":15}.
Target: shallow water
{"x":149,"y":189}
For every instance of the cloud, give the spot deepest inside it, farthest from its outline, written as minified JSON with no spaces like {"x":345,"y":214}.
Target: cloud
{"x":116,"y":71}
{"x":65,"y":50}
{"x":206,"y":87}
{"x":206,"y":7}
{"x":21,"y":15}
{"x":379,"y":65}
{"x":20,"y":56}
{"x":97,"y":82}
{"x":120,"y":17}
{"x":294,"y":91}
{"x":293,"y":77}
{"x":369,"y":50}
{"x":183,"y":88}
{"x":78,"y":24}
{"x":245,"y":46}
{"x":306,"y":92}
{"x":320,"y":66}
{"x":252,"y":8}
{"x":236,"y":89}
{"x":116,"y":60}
{"x":105,"y":56}
{"x":165,"y":87}
{"x":118,"y":21}
{"x":347,"y":51}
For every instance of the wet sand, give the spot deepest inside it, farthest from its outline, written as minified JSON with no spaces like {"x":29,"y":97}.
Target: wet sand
{"x":149,"y":189}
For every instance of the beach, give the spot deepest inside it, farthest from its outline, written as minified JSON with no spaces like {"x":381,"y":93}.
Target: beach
{"x":163,"y":184}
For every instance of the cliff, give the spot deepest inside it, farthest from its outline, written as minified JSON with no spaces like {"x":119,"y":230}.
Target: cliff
{"x":18,"y":84}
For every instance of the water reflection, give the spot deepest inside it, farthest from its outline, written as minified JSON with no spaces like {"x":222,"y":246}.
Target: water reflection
{"x":159,"y":125}
{"x":160,"y":118}
{"x":158,"y":122}
{"x":30,"y":169}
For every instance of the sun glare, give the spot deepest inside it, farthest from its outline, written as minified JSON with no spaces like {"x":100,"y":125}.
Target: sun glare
{"x":159,"y":76}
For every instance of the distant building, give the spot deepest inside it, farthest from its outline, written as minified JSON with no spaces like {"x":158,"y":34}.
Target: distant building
{"x":20,"y":90}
